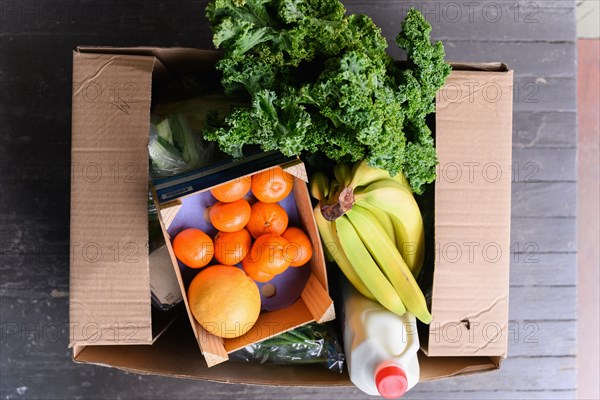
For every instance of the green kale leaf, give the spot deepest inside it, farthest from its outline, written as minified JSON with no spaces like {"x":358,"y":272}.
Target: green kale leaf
{"x":321,"y":81}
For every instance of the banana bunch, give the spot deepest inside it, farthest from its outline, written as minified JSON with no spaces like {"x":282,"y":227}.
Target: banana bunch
{"x":371,"y":226}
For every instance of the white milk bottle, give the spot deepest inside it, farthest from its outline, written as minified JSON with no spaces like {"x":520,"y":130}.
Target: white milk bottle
{"x":381,"y":347}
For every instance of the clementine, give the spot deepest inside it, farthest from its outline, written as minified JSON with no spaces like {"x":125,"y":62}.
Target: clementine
{"x":233,"y":190}
{"x":267,"y":255}
{"x":193,"y":247}
{"x":299,"y":249}
{"x":224,"y":300}
{"x":230,"y":217}
{"x":267,"y":218}
{"x":272,"y":185}
{"x":232,"y":247}
{"x":253,"y":271}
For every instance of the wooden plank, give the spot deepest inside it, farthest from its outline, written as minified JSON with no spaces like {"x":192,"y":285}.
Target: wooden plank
{"x":94,"y":383}
{"x":493,"y":395}
{"x":529,"y":268}
{"x":544,"y":129}
{"x":539,"y":93}
{"x":545,"y":235}
{"x":492,"y":20}
{"x":533,"y":59}
{"x":516,"y":375}
{"x":37,"y":272}
{"x":526,"y":338}
{"x":24,"y":127}
{"x":534,"y":154}
{"x":39,"y":275}
{"x":544,"y":164}
{"x":543,"y":303}
{"x":542,"y":338}
{"x":530,"y":129}
{"x":134,"y":18}
{"x":544,"y":199}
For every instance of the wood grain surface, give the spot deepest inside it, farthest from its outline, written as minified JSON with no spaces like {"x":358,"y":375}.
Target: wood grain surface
{"x":536,"y":38}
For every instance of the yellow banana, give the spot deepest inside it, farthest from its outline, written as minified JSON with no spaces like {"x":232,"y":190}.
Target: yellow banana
{"x":363,"y":174}
{"x":343,"y":173}
{"x":390,"y":261}
{"x":318,"y":185}
{"x":366,"y":268}
{"x":412,"y":249}
{"x":401,"y":179}
{"x":334,"y":187}
{"x":399,"y":203}
{"x":332,"y":247}
{"x":383,"y":218}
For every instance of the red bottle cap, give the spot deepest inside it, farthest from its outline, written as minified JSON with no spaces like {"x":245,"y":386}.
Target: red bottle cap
{"x":391,"y":381}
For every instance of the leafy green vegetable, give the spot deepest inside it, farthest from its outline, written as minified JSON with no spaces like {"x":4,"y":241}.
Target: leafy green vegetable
{"x":322,"y":81}
{"x":164,"y":131}
{"x":174,"y":147}
{"x":309,"y":344}
{"x":165,"y":157}
{"x":426,"y":74}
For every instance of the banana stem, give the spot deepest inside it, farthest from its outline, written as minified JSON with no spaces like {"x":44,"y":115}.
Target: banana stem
{"x":345,"y":201}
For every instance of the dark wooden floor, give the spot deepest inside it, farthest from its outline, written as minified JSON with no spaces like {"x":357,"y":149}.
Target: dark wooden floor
{"x":536,"y":38}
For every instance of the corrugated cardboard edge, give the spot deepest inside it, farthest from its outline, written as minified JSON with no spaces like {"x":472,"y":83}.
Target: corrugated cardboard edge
{"x":196,"y":60}
{"x":111,"y":103}
{"x":166,"y":54}
{"x":489,"y":66}
{"x":481,"y":217}
{"x":445,"y":367}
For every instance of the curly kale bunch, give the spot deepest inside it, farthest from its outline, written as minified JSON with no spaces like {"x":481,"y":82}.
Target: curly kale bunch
{"x":322,"y":81}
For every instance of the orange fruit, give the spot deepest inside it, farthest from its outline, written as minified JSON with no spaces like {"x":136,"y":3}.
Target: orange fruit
{"x":233,"y":190}
{"x":267,"y":218}
{"x":230,"y":217}
{"x":232,"y":247}
{"x":267,"y":255}
{"x":193,"y":247}
{"x":299,"y":249}
{"x":253,"y":271}
{"x":224,"y":300}
{"x":272,"y":185}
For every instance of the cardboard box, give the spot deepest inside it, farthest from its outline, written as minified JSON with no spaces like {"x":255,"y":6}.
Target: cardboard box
{"x":314,"y":303}
{"x":110,"y":316}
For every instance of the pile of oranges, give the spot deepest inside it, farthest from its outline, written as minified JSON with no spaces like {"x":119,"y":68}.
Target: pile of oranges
{"x":257,"y":236}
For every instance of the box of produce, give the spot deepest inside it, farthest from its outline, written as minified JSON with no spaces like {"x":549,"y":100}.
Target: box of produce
{"x":408,"y":168}
{"x":246,"y":252}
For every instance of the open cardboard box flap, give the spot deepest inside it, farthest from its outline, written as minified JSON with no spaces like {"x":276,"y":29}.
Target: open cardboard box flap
{"x":109,"y":276}
{"x":176,"y":354}
{"x":110,"y":291}
{"x":472,"y":215}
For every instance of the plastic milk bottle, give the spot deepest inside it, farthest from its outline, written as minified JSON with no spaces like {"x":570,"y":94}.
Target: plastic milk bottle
{"x":381,"y":347}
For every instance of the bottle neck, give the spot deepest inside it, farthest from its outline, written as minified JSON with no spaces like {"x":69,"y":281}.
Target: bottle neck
{"x":390,"y":380}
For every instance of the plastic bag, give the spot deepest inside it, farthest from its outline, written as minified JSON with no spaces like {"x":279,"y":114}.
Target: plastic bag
{"x":174,"y":147}
{"x":165,"y":160}
{"x":309,"y":344}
